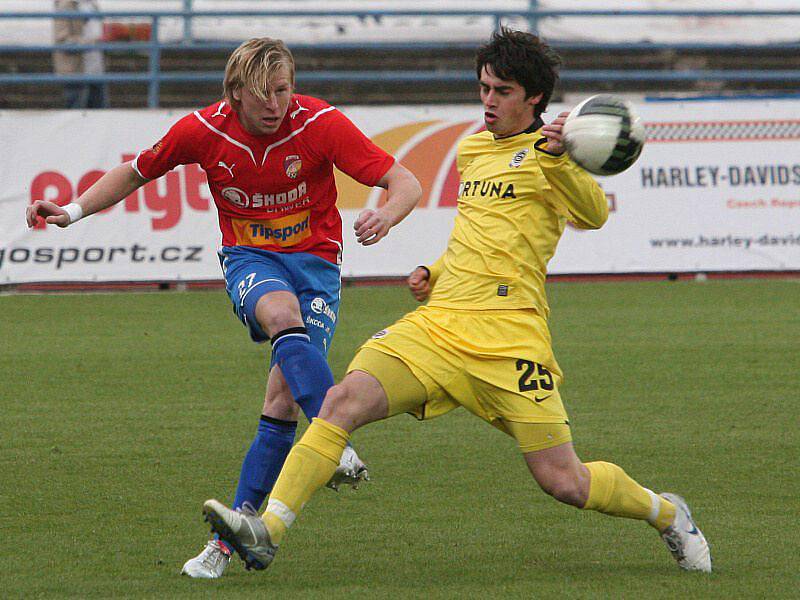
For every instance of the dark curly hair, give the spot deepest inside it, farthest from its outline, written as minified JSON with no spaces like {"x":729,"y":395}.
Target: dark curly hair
{"x":524,"y":58}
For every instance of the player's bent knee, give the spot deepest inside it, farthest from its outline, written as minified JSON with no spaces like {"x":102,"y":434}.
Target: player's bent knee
{"x":277,"y":311}
{"x":353,"y":403}
{"x":340,"y":408}
{"x":275,"y":321}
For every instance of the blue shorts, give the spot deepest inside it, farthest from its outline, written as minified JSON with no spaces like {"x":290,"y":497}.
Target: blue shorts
{"x":250,"y":273}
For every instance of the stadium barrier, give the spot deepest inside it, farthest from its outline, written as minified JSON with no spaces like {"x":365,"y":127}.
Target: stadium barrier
{"x":708,"y":194}
{"x":531,"y":18}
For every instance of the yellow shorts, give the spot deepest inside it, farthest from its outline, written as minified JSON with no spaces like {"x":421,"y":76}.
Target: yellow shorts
{"x":497,"y":364}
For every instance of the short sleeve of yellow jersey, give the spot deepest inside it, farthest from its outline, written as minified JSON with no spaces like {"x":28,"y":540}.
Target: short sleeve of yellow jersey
{"x":514,"y":200}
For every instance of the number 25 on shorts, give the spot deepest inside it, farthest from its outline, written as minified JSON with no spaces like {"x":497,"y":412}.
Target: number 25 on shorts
{"x":534,"y":377}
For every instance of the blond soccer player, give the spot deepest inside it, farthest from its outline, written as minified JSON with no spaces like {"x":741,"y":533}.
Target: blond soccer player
{"x":482,"y":340}
{"x":269,"y":154}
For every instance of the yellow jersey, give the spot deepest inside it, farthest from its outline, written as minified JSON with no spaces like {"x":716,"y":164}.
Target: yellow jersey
{"x":514,"y":200}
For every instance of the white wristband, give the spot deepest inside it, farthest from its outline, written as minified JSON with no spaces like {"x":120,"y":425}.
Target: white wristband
{"x":74,"y":211}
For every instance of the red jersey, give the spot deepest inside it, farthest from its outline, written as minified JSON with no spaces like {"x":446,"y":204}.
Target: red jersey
{"x":276,"y":192}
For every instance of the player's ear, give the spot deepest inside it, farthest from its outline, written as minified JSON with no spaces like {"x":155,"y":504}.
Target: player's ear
{"x":237,"y":94}
{"x":534,"y":100}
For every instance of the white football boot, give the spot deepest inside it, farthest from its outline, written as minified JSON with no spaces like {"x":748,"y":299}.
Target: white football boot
{"x":685,"y":540}
{"x":209,"y":564}
{"x":351,"y":471}
{"x":244,"y":530}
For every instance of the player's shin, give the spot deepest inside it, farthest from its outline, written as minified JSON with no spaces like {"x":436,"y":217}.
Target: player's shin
{"x":264,"y":460}
{"x":304,"y":367}
{"x":613,"y":492}
{"x":309,"y":466}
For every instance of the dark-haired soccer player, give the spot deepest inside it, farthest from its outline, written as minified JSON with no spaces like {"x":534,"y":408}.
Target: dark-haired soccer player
{"x":269,"y":155}
{"x":482,"y":341}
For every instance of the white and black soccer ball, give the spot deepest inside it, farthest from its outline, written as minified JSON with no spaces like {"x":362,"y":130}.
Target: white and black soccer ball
{"x":604,"y":135}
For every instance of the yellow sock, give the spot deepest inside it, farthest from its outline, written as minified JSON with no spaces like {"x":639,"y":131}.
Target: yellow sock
{"x":612,"y":492}
{"x":308,"y":467}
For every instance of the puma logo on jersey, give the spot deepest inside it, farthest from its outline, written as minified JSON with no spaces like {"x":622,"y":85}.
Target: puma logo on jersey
{"x":219,"y":112}
{"x":297,"y":111}
{"x":226,"y":167}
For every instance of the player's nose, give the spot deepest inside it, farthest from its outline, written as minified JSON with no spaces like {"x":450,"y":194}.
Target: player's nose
{"x":271,"y":102}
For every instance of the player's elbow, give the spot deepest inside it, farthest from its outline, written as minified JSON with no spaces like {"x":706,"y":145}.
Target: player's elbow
{"x":596,"y":215}
{"x":129,"y":171}
{"x":403,"y":182}
{"x":591,"y":221}
{"x":412,"y":185}
{"x":598,"y":220}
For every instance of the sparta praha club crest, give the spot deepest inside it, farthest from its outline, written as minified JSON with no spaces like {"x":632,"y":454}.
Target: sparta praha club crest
{"x":292,"y":165}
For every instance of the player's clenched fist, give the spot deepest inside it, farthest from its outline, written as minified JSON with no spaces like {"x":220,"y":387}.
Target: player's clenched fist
{"x":50,"y":211}
{"x":419,"y":283}
{"x":371,"y":226}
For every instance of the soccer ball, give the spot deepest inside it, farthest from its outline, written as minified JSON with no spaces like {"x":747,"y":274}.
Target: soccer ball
{"x":604,"y":135}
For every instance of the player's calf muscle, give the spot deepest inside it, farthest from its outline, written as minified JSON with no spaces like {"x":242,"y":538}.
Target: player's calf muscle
{"x":565,"y":487}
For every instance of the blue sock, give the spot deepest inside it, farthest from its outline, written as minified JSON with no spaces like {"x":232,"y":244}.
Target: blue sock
{"x":263,"y":462}
{"x":304,"y":367}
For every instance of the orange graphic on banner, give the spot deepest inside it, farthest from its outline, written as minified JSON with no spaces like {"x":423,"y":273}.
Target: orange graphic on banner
{"x":354,"y":195}
{"x":285,"y":231}
{"x":426,"y":158}
{"x":430,"y":157}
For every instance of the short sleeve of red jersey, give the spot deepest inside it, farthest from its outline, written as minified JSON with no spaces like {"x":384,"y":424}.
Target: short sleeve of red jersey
{"x":170,"y":151}
{"x":353,"y":152}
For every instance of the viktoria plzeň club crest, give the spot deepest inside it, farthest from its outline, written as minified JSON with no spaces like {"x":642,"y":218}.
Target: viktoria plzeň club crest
{"x":292,"y":165}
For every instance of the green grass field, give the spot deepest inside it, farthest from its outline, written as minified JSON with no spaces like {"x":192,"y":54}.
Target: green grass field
{"x":122,"y":413}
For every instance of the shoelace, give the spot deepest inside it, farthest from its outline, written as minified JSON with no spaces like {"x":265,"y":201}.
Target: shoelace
{"x":213,"y":555}
{"x":247,"y":509}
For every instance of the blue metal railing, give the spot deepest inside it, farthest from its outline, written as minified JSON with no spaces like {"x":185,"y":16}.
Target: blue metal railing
{"x":154,"y":76}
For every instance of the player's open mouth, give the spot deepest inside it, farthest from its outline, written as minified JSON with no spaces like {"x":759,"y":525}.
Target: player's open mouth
{"x":270,"y":120}
{"x":489,"y":117}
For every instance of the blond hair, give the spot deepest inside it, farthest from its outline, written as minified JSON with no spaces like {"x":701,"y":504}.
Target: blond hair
{"x":253,"y":65}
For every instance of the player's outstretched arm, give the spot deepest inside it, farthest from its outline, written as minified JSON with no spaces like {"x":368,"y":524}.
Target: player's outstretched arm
{"x":574,"y":189}
{"x":404,"y":192}
{"x":112,"y":187}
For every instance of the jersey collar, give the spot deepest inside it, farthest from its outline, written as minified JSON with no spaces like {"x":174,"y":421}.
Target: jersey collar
{"x":263,"y":140}
{"x":535,"y":126}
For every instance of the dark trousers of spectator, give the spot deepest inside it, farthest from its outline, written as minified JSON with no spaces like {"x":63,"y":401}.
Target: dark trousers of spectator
{"x":85,"y":95}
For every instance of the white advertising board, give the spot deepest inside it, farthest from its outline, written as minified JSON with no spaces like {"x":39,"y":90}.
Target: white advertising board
{"x":717,"y":188}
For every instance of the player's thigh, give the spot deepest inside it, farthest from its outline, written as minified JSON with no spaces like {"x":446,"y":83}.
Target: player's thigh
{"x":277,"y":311}
{"x":317,"y":283}
{"x":532,"y":425}
{"x":535,"y":437}
{"x":250,"y":274}
{"x":525,"y":395}
{"x":525,"y":402}
{"x":413,"y":368}
{"x":358,"y":400}
{"x":402,"y":390}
